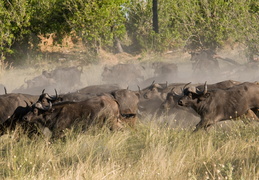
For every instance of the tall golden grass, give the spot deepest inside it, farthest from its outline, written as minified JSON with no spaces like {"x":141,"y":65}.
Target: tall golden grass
{"x":150,"y":151}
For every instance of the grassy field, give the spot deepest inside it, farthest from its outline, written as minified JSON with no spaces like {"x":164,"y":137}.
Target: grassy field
{"x":150,"y":151}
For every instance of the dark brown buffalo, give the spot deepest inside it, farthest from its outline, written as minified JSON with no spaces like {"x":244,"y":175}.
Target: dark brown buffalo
{"x":165,"y":71}
{"x":98,"y":89}
{"x":121,"y":104}
{"x":170,"y":105}
{"x":219,"y":85}
{"x":15,"y":106}
{"x":204,"y":62}
{"x":64,"y":79}
{"x":87,"y":92}
{"x":35,"y":85}
{"x":161,"y":89}
{"x":128,"y":101}
{"x":9,"y":102}
{"x":162,"y":72}
{"x":99,"y":110}
{"x":65,"y":76}
{"x":45,"y":99}
{"x":123,"y":74}
{"x":155,"y":94}
{"x":128,"y":104}
{"x":221,"y":104}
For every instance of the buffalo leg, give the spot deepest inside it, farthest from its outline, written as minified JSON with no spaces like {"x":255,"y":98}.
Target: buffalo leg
{"x":202,"y":124}
{"x":249,"y":116}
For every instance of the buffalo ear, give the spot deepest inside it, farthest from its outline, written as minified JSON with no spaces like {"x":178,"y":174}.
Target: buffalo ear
{"x":203,"y":97}
{"x":113,"y":93}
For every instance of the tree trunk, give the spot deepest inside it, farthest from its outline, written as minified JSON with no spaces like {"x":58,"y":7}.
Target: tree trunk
{"x":155,"y":16}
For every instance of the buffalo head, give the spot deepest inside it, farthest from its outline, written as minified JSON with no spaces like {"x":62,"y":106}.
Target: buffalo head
{"x":45,"y":99}
{"x":36,"y":112}
{"x":192,"y":95}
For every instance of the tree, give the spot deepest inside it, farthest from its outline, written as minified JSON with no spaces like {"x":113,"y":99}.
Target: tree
{"x":155,"y":16}
{"x":99,"y":23}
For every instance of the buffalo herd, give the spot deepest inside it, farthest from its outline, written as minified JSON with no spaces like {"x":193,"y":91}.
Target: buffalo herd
{"x":116,"y":107}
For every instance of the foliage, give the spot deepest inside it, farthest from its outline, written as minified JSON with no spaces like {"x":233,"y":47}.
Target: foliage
{"x":195,"y":24}
{"x":99,"y":24}
{"x":23,"y":20}
{"x":14,"y":23}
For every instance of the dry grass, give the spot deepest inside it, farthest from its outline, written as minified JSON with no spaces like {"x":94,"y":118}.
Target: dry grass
{"x":147,"y":152}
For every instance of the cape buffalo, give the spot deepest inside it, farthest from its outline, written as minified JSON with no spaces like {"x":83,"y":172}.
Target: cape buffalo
{"x":63,"y":78}
{"x":221,"y":104}
{"x":9,"y":102}
{"x":117,"y":109}
{"x":155,"y":94}
{"x":87,"y":92}
{"x":128,"y":104}
{"x":204,"y":61}
{"x":15,"y":106}
{"x":123,"y":74}
{"x":170,"y":105}
{"x":127,"y":100}
{"x":165,"y":71}
{"x":99,"y":110}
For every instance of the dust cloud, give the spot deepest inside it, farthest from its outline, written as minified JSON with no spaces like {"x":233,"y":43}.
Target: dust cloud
{"x":21,"y":79}
{"x":71,"y":75}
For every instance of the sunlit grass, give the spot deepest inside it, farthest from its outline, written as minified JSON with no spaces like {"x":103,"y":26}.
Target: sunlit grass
{"x":149,"y":151}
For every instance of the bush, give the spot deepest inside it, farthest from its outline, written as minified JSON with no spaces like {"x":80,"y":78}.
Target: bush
{"x":105,"y":24}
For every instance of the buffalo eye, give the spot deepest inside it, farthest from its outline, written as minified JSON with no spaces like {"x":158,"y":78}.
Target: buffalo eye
{"x":190,"y":95}
{"x":35,"y":111}
{"x":145,"y":96}
{"x":44,"y":102}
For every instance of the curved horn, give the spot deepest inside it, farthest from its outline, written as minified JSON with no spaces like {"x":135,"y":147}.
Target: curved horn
{"x":50,"y":106}
{"x":186,"y":85}
{"x":153,"y":82}
{"x":172,"y":91}
{"x":158,"y":86}
{"x":43,"y":91}
{"x":27,"y":105}
{"x":139,"y":89}
{"x":53,"y":98}
{"x":205,"y":88}
{"x":56,"y":95}
{"x":5,"y":91}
